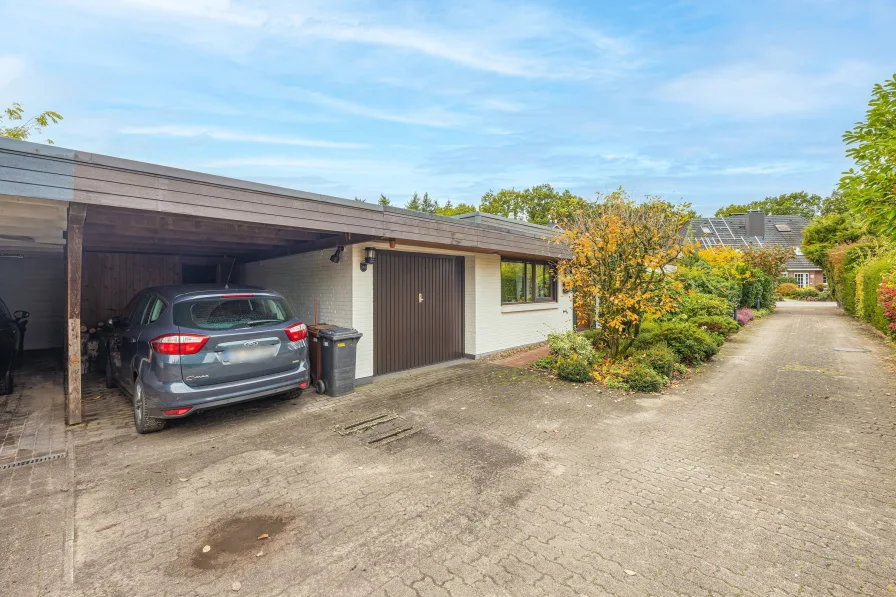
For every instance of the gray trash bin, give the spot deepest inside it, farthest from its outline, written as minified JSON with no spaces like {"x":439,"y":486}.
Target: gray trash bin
{"x":338,"y":350}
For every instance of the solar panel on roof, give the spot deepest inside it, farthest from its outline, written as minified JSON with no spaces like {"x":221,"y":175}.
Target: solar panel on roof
{"x":782,"y":227}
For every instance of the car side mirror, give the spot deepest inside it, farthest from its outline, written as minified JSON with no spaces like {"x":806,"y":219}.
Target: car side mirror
{"x":19,"y":315}
{"x":118,"y":322}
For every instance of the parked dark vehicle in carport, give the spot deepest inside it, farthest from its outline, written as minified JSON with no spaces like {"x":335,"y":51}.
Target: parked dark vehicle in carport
{"x":180,"y":349}
{"x":12,"y":336}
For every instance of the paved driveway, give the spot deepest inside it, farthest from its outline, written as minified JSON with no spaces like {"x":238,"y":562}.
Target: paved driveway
{"x":770,"y":472}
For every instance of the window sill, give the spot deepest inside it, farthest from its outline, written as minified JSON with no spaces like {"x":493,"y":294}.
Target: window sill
{"x":516,"y":308}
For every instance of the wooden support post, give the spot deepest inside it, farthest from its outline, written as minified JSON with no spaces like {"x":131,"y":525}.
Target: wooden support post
{"x":75,"y":240}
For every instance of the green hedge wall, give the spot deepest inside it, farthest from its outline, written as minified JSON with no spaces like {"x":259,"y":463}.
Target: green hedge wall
{"x":872,"y":273}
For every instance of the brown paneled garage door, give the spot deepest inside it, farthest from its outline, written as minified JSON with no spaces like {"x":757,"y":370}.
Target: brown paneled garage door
{"x":418,"y":310}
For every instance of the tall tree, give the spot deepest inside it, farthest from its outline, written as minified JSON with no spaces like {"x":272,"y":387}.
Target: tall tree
{"x":428,"y":204}
{"x":835,"y":203}
{"x":414,"y":203}
{"x":800,"y":203}
{"x":23,"y":129}
{"x":383,"y":200}
{"x":825,"y":232}
{"x":870,"y":187}
{"x":455,"y":210}
{"x":540,"y":204}
{"x":620,"y":249}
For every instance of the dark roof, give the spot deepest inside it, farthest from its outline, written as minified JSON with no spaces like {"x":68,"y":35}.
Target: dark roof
{"x":732,"y":231}
{"x":801,"y":262}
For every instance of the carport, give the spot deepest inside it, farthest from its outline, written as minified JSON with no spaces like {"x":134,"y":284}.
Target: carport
{"x":102,"y":228}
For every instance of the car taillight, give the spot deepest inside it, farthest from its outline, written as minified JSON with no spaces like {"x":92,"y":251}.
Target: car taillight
{"x":178,"y":343}
{"x":176,"y":412}
{"x":297,"y":332}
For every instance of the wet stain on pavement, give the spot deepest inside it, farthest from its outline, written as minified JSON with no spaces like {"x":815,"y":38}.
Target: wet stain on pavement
{"x":235,"y":539}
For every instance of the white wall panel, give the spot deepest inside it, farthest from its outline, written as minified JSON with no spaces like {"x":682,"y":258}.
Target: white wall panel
{"x":37,"y":285}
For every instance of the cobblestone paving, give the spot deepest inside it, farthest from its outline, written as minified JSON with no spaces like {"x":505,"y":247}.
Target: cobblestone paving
{"x":769,"y":473}
{"x":33,"y":498}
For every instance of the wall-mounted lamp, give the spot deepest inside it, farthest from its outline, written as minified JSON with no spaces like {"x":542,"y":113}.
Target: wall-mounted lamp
{"x":369,"y":258}
{"x":337,"y":256}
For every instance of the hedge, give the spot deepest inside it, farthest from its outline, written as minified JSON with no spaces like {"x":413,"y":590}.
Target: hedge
{"x":871,"y":275}
{"x":845,"y":260}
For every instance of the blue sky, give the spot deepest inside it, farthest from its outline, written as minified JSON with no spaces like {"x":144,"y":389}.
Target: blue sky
{"x":710,"y":102}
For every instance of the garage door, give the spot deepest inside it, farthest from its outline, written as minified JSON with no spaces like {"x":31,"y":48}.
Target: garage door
{"x":36,"y":284}
{"x":418,"y":305}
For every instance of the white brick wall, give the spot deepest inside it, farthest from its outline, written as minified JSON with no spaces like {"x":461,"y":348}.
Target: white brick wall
{"x":305,"y":277}
{"x":362,"y":311}
{"x":470,"y":305}
{"x":502,"y":327}
{"x":37,"y":285}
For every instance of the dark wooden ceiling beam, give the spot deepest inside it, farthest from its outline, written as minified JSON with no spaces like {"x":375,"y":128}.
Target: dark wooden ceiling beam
{"x":140,"y":222}
{"x":183,"y":245}
{"x":98,"y":230}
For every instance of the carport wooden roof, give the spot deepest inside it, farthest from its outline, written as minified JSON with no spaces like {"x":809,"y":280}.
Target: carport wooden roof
{"x":127,"y":197}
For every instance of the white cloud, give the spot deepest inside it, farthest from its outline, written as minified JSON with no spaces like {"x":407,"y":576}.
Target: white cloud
{"x":219,"y":134}
{"x":215,"y":10}
{"x":755,"y":90}
{"x":434,"y":117}
{"x":500,"y":105}
{"x":11,"y":68}
{"x":460,"y":48}
{"x":761,"y":169}
{"x":495,"y":38}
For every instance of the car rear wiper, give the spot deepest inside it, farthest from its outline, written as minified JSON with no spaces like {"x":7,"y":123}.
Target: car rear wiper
{"x":261,"y":321}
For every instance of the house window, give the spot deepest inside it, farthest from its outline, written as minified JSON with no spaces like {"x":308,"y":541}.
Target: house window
{"x":802,"y":280}
{"x":527,"y":281}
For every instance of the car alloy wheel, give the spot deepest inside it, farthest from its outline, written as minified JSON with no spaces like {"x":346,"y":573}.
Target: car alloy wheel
{"x":143,"y":423}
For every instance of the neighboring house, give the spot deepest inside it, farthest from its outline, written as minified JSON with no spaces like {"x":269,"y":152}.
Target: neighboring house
{"x":756,"y":228}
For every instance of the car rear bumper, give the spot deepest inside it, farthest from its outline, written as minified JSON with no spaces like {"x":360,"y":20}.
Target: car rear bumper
{"x":173,"y":395}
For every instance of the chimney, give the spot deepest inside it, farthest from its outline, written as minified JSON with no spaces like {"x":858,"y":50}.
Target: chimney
{"x":756,"y":224}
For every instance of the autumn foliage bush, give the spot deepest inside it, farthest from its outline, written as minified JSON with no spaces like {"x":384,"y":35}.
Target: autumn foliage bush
{"x":786,"y":289}
{"x":886,"y":298}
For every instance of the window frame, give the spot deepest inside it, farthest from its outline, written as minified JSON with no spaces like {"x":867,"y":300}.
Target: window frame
{"x":529,"y":278}
{"x":145,"y":320}
{"x":801,"y":276}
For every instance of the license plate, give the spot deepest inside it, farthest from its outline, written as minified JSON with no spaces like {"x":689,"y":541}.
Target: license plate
{"x":255,"y":354}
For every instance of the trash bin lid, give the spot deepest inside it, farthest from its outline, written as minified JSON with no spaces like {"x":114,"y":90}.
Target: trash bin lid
{"x":336,"y":334}
{"x":315,"y":328}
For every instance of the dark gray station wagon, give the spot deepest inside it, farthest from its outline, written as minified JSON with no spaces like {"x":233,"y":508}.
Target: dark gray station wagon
{"x":180,"y":349}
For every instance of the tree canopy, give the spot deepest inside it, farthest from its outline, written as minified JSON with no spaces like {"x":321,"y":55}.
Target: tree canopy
{"x":23,"y":129}
{"x":455,"y":210}
{"x":540,"y":204}
{"x":799,"y":203}
{"x":827,"y":231}
{"x":870,"y":188}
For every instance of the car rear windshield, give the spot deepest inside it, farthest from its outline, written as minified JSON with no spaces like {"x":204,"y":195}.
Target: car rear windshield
{"x":220,"y":313}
